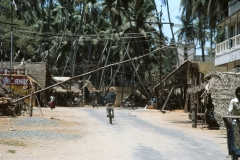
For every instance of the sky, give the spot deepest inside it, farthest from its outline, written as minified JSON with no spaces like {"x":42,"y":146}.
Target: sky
{"x":174,"y":11}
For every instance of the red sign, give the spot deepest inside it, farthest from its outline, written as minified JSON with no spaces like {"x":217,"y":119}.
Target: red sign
{"x":16,"y":80}
{"x":14,"y":71}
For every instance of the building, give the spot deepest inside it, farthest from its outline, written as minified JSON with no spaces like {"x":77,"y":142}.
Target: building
{"x":21,"y":72}
{"x":188,"y":52}
{"x":177,"y":83}
{"x":184,"y":81}
{"x":228,"y":51}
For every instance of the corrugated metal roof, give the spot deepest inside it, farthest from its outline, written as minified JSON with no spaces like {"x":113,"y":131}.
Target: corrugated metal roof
{"x":59,"y":89}
{"x":60,"y":79}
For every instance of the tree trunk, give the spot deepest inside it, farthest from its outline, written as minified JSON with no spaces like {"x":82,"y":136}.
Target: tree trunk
{"x":148,"y":70}
{"x":203,"y":55}
{"x":211,"y":42}
{"x":123,"y":80}
{"x":103,"y":71}
{"x":75,"y":47}
{"x":118,"y":67}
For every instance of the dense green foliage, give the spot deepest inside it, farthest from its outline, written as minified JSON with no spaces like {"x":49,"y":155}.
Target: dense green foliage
{"x":199,"y":22}
{"x":76,"y":36}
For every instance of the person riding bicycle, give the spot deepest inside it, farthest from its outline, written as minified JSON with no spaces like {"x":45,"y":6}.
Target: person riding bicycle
{"x":110,"y":98}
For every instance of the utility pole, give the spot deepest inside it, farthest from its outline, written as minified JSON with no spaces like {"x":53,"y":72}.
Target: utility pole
{"x":1,"y":9}
{"x":84,"y":81}
{"x":1,"y":39}
{"x":11,"y":47}
{"x":173,"y":43}
{"x":160,"y":38}
{"x":160,"y":23}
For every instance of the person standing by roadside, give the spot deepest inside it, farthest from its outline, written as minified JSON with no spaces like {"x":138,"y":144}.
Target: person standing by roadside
{"x":52,"y":102}
{"x":234,"y":106}
{"x":95,"y":103}
{"x":110,"y":98}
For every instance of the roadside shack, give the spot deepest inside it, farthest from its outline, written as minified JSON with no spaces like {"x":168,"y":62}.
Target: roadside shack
{"x":180,"y":88}
{"x":219,"y":90}
{"x":67,"y":94}
{"x":22,"y":72}
{"x":187,"y":84}
{"x":21,"y":85}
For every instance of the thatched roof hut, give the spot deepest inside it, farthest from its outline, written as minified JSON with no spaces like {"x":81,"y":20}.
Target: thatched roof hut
{"x":90,"y":87}
{"x":221,"y":87}
{"x":186,"y":76}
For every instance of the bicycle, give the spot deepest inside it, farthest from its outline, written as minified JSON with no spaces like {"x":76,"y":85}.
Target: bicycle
{"x":110,"y":112}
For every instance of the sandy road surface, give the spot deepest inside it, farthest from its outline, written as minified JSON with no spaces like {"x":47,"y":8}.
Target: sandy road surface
{"x":85,"y":133}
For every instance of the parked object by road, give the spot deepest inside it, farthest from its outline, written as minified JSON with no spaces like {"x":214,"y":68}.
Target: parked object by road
{"x":126,"y":103}
{"x":95,"y":103}
{"x":71,"y":103}
{"x":132,"y":104}
{"x":152,"y":100}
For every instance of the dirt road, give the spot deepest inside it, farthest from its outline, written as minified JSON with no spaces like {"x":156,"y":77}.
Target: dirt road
{"x":85,"y":133}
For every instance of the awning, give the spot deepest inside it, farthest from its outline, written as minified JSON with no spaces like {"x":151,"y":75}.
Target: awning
{"x":231,"y":19}
{"x":60,"y":79}
{"x":59,"y":89}
{"x":74,"y":89}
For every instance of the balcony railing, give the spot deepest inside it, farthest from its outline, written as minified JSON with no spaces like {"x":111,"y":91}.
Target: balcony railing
{"x":230,"y":44}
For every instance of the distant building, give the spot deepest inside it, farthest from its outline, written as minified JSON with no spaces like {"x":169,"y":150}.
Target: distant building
{"x":35,"y":71}
{"x":228,"y":51}
{"x":188,"y":52}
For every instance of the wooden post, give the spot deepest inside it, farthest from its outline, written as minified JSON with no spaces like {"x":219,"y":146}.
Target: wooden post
{"x":186,"y":103}
{"x":197,"y":101}
{"x":166,"y":100}
{"x":31,"y":99}
{"x":188,"y":85}
{"x":194,"y":118}
{"x":179,"y":102}
{"x":39,"y":105}
{"x":157,"y":99}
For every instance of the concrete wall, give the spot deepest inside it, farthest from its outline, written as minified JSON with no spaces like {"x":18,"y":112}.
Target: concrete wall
{"x":37,"y":70}
{"x":231,"y":65}
{"x":207,"y":67}
{"x":126,"y":92}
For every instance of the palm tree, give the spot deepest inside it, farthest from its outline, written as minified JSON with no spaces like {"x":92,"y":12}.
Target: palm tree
{"x":215,"y":11}
{"x":185,"y":26}
{"x":141,"y":14}
{"x":83,"y":30}
{"x":188,"y":19}
{"x":207,"y":14}
{"x":199,"y":11}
